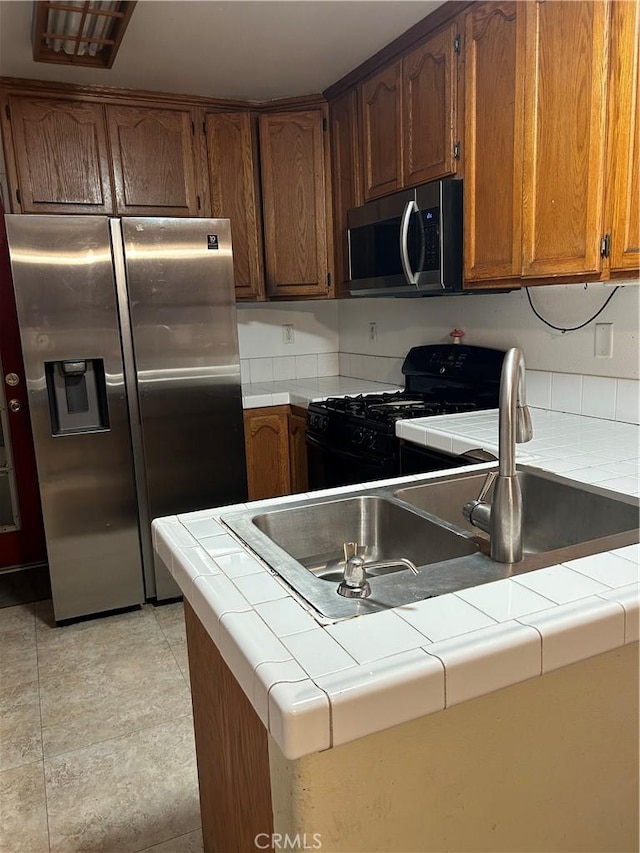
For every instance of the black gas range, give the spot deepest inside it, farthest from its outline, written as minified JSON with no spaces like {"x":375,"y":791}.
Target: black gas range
{"x":353,"y":439}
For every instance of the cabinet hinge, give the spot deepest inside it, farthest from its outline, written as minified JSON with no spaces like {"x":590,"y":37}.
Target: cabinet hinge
{"x":204,"y":127}
{"x":7,"y":111}
{"x":18,"y":197}
{"x":457,"y":44}
{"x":193,"y":129}
{"x":605,"y":246}
{"x":324,"y":123}
{"x":198,"y":201}
{"x":456,"y":151}
{"x":328,"y":280}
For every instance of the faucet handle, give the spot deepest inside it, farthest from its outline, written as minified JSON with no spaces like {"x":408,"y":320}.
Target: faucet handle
{"x":484,"y":491}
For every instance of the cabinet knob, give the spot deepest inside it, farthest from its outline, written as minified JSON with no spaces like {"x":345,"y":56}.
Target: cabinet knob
{"x":12,"y":379}
{"x":15,"y":405}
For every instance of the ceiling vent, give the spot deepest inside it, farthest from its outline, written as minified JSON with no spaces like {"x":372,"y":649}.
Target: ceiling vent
{"x":79,"y":32}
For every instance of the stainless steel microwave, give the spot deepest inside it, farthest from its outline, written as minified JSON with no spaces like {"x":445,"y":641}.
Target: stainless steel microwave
{"x":408,"y":243}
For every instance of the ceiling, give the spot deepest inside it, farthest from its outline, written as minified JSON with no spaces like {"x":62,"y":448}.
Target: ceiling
{"x":247,"y":49}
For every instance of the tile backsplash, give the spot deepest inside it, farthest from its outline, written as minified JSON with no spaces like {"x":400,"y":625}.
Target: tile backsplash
{"x":333,"y":338}
{"x":595,"y":396}
{"x":272,"y":369}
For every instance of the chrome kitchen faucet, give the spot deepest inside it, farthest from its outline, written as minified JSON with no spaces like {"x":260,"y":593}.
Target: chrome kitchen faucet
{"x":502,"y":518}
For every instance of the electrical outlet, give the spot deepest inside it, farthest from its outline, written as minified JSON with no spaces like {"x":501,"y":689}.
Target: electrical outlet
{"x":373,"y":331}
{"x":288,"y":333}
{"x":603,"y":340}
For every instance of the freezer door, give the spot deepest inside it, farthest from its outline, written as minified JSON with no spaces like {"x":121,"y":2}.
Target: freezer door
{"x":183,"y":324}
{"x":65,"y":294}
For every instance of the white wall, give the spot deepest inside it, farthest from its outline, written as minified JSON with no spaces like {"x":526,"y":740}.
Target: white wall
{"x":501,"y":320}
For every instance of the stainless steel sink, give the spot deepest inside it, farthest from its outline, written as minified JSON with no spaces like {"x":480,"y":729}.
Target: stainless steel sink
{"x":557,"y":513}
{"x":303,"y":543}
{"x":314,"y":535}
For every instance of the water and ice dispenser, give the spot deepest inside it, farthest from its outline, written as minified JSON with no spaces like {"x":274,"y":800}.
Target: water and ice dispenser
{"x":77,"y":396}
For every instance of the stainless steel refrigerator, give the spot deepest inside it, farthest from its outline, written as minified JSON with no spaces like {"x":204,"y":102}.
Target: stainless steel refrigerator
{"x":130,"y":347}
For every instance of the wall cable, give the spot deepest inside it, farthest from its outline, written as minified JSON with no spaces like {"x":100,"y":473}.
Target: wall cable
{"x":572,"y":328}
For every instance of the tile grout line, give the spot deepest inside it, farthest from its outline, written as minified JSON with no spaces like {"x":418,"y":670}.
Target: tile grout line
{"x":44,"y":775}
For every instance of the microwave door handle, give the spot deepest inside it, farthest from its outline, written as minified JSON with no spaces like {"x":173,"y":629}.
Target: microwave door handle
{"x":411,"y":277}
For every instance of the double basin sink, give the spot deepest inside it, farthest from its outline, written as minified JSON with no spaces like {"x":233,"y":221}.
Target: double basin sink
{"x":423,"y":523}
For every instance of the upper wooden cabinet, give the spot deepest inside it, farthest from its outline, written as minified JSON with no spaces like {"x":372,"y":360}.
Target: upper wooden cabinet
{"x":494,"y":92}
{"x":294,"y":164}
{"x":623,"y":201}
{"x":429,"y":92}
{"x":409,"y":122}
{"x":153,"y":161}
{"x":346,"y":173}
{"x":233,"y":168}
{"x":61,"y":156}
{"x":564,"y":141}
{"x":380,"y":97}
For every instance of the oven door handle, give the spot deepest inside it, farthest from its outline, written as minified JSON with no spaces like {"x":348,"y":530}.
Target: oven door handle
{"x":409,"y":208}
{"x":345,"y":454}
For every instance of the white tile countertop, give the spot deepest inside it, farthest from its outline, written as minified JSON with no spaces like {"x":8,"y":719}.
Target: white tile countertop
{"x":300,"y":392}
{"x":319,"y":686}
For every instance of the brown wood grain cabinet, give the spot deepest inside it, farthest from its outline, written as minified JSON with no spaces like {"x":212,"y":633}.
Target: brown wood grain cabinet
{"x":380,"y":97}
{"x":61,"y":156}
{"x":429,"y":97}
{"x":623,"y":201}
{"x":564,"y":140}
{"x":294,"y":161}
{"x":153,"y":161}
{"x":346,"y":172}
{"x":275,"y":447}
{"x":493,"y":138}
{"x":234,"y":181}
{"x":266,"y":439}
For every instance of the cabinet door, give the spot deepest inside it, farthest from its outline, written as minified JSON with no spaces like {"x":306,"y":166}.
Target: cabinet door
{"x":382,"y":131}
{"x":429,"y":91}
{"x":563,"y":175}
{"x":266,"y":438}
{"x":623,"y":222}
{"x":235,"y":194}
{"x":298,"y":451}
{"x":494,"y":92}
{"x":294,"y":201}
{"x":347,"y":181}
{"x":153,"y":161}
{"x":61,"y":156}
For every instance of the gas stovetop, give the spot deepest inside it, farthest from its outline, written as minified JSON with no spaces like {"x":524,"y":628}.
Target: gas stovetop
{"x":387,"y":408}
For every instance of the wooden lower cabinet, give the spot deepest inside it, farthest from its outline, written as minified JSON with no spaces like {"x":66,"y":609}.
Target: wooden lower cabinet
{"x":275,"y":446}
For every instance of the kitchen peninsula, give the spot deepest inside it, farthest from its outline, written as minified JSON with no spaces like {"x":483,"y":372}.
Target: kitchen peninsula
{"x":500,"y":717}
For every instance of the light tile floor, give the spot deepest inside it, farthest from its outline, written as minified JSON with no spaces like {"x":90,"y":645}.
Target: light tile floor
{"x":96,"y":734}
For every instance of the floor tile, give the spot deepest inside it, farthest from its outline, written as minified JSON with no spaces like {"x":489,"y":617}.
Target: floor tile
{"x":170,"y":617}
{"x":109,"y":697}
{"x":23,"y":812}
{"x":20,"y":727}
{"x":65,"y":649}
{"x":18,"y":657}
{"x":189,"y":843}
{"x":16,"y":617}
{"x":125,"y":794}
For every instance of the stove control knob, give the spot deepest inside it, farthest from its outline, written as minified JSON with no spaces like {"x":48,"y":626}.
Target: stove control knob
{"x":358,"y":436}
{"x":371,"y":439}
{"x":324,"y":424}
